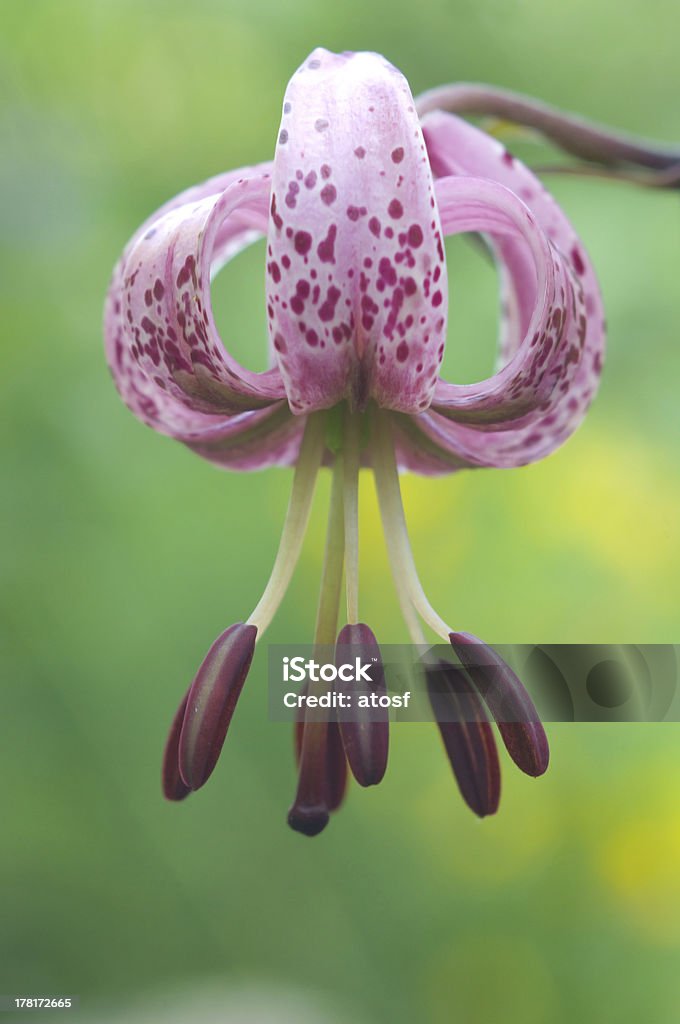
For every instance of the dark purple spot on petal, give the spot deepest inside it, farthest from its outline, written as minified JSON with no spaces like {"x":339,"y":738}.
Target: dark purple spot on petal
{"x":328,"y":194}
{"x":326,"y":248}
{"x":415,"y":236}
{"x":302,"y":242}
{"x":577,"y":260}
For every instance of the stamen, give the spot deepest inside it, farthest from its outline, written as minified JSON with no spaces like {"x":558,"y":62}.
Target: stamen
{"x":309,"y":812}
{"x":334,"y":557}
{"x":211,"y":702}
{"x":295,"y":525}
{"x":351,"y":498}
{"x":468,"y":739}
{"x":174,"y":786}
{"x":365,"y":736}
{"x":396,"y":534}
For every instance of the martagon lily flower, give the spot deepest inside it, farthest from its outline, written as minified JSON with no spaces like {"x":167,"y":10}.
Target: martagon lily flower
{"x":364,"y":185}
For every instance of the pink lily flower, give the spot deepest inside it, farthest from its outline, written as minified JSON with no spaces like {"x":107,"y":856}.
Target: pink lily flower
{"x":364,"y":185}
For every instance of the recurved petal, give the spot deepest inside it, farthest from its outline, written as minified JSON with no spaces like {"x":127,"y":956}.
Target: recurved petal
{"x":253,"y":440}
{"x":467,"y":735}
{"x":249,"y":440}
{"x":508,"y":702}
{"x":553,"y":337}
{"x":365,"y":735}
{"x":211,"y":702}
{"x":163,"y":348}
{"x":356,"y":281}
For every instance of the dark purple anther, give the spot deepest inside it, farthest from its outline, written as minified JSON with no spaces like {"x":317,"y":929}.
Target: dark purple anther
{"x":467,"y":735}
{"x":508,"y":702}
{"x":174,"y":787}
{"x":322,"y":781}
{"x":309,"y":812}
{"x":365,"y":733}
{"x":211,"y":702}
{"x":336,"y":762}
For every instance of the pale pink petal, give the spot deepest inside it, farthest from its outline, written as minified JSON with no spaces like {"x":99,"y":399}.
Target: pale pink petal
{"x":555,"y":334}
{"x":164,"y":352}
{"x":249,"y":440}
{"x":356,"y":280}
{"x":254,"y":440}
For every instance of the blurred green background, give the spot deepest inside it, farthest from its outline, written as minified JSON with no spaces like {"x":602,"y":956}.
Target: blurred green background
{"x":124,"y":555}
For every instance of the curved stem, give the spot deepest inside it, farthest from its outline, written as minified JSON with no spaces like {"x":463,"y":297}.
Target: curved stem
{"x":667,"y":177}
{"x":396,"y":534}
{"x":351,"y":500}
{"x":295,"y":525}
{"x":573,"y":134}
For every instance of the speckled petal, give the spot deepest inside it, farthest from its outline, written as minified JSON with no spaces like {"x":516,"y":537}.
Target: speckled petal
{"x":162,"y":345}
{"x":554,"y":336}
{"x":253,"y":440}
{"x":356,"y":278}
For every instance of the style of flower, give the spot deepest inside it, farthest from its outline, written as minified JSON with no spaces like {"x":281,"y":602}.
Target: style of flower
{"x":355,"y":207}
